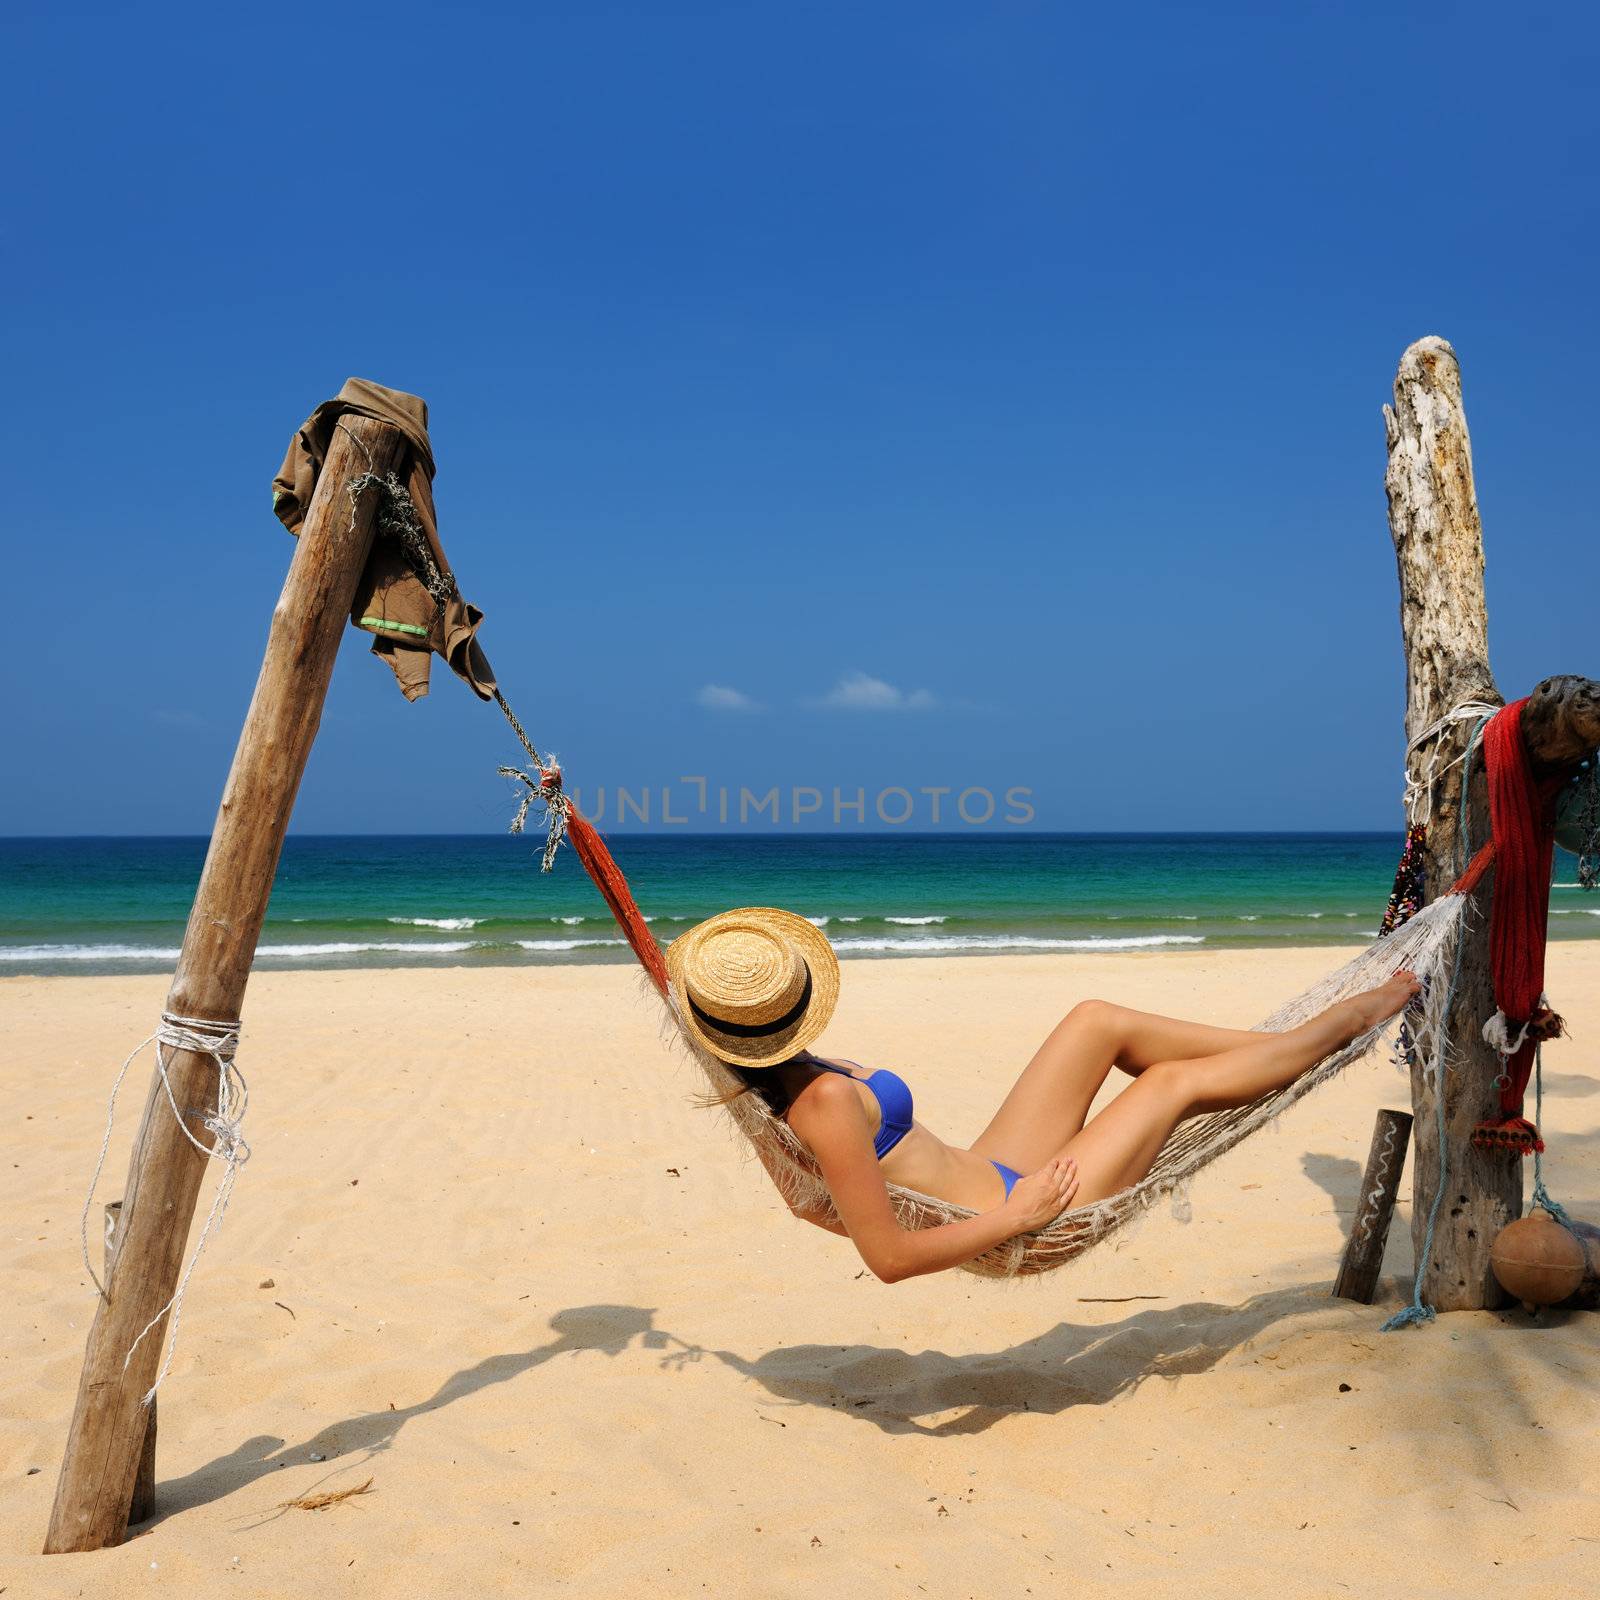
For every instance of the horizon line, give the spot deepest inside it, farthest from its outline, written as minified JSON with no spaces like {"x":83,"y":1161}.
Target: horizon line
{"x":983,"y":832}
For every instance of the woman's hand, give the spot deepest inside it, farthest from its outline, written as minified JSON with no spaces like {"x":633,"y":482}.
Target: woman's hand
{"x":1042,"y":1196}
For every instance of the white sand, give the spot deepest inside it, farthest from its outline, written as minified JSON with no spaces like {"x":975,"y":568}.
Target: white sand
{"x":577,"y":1344}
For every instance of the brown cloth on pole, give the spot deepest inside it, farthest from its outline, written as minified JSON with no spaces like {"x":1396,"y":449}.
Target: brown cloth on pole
{"x":392,"y":600}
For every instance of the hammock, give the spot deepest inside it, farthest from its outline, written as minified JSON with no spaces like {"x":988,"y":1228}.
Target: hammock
{"x":1426,"y":943}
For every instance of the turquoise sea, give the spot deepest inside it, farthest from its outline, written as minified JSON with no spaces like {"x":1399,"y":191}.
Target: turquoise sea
{"x":119,"y":905}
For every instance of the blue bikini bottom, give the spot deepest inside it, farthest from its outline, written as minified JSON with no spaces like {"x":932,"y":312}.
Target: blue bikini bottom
{"x":1007,"y":1176}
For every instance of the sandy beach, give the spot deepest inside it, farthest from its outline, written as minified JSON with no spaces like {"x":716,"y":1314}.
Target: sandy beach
{"x":489,"y":1255}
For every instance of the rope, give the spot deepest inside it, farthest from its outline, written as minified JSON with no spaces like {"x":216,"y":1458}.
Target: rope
{"x":398,"y":519}
{"x":1541,"y":1195}
{"x":1419,"y":1311}
{"x":201,"y":1037}
{"x":542,"y":787}
{"x":1419,"y":787}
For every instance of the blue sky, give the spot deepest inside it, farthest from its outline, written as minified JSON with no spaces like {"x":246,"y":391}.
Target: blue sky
{"x":989,"y":394}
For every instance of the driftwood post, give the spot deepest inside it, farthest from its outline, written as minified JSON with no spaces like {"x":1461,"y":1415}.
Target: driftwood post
{"x":1438,"y":541}
{"x":104,"y":1446}
{"x":143,"y":1499}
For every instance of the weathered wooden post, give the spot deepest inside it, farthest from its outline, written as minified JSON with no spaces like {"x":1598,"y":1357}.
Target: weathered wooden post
{"x":1438,"y":541}
{"x":1369,"y":1228}
{"x":143,"y":1499}
{"x":104,"y":1447}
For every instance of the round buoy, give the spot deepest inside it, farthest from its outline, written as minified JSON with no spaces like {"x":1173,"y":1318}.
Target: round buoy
{"x":1538,"y":1260}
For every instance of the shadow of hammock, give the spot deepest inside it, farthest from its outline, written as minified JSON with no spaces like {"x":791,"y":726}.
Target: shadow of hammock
{"x":896,"y":1391}
{"x":608,"y":1330}
{"x":931,"y":1393}
{"x":934,"y":1394}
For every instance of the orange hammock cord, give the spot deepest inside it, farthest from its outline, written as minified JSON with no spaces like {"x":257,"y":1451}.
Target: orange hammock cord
{"x":608,"y":879}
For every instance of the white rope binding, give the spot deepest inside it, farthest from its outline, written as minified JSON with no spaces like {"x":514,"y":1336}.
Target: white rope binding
{"x":1423,"y":773}
{"x":219,"y":1041}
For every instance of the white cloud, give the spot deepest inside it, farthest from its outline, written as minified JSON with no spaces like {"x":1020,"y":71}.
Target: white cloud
{"x":859,"y":691}
{"x":718,"y":697}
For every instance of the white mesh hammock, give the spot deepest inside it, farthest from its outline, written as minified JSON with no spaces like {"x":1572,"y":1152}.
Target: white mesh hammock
{"x":1425,"y":944}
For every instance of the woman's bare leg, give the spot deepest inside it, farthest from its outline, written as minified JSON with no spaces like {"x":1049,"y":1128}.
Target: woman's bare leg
{"x":1120,"y":1144}
{"x":1051,"y":1099}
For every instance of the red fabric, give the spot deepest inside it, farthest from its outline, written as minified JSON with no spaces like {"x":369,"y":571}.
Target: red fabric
{"x":1522,"y":812}
{"x":609,"y":881}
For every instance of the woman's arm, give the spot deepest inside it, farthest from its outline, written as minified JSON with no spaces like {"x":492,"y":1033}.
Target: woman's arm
{"x":818,"y":1218}
{"x":831,"y":1120}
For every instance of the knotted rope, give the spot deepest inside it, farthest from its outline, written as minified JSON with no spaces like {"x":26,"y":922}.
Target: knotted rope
{"x":201,"y":1037}
{"x":397,"y":518}
{"x":542,"y":787}
{"x":1422,"y":758}
{"x":541,"y":782}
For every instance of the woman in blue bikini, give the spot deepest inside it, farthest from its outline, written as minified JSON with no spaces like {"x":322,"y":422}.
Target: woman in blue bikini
{"x":757,"y":986}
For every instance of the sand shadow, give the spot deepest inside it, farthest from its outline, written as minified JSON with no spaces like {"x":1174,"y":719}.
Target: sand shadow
{"x":604,"y":1328}
{"x":937,"y":1395}
{"x":1339,"y":1177}
{"x":896,"y":1391}
{"x":1570,"y":1085}
{"x":890,"y":1389}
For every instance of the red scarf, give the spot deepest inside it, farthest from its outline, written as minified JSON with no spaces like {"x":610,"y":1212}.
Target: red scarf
{"x":1522,"y":811}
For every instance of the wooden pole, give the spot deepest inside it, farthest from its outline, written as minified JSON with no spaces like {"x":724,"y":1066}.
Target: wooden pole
{"x":143,"y":1499}
{"x":1438,"y":541}
{"x":1369,"y":1231}
{"x":104,"y":1445}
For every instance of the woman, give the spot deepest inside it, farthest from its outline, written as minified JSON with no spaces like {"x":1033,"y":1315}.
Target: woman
{"x":757,"y":986}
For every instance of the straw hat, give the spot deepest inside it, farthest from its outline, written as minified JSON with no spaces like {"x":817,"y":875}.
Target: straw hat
{"x":754,"y":986}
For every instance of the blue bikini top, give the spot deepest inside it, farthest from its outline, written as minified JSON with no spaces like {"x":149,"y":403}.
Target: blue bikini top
{"x":893,"y":1095}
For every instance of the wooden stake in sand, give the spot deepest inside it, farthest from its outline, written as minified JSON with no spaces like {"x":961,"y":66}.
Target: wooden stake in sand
{"x":1369,"y":1231}
{"x":106,"y":1442}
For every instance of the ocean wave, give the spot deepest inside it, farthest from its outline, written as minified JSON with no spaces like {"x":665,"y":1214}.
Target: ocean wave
{"x":929,"y":944}
{"x":565,"y":944}
{"x":397,"y":947}
{"x":850,"y":919}
{"x":914,"y":922}
{"x":447,"y":924}
{"x":819,"y":922}
{"x":149,"y":952}
{"x":87,"y":952}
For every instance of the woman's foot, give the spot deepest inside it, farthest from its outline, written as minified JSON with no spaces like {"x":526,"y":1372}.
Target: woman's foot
{"x":1387,"y":1000}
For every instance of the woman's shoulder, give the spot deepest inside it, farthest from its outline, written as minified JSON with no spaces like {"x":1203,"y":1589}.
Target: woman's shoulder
{"x":825,"y":1095}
